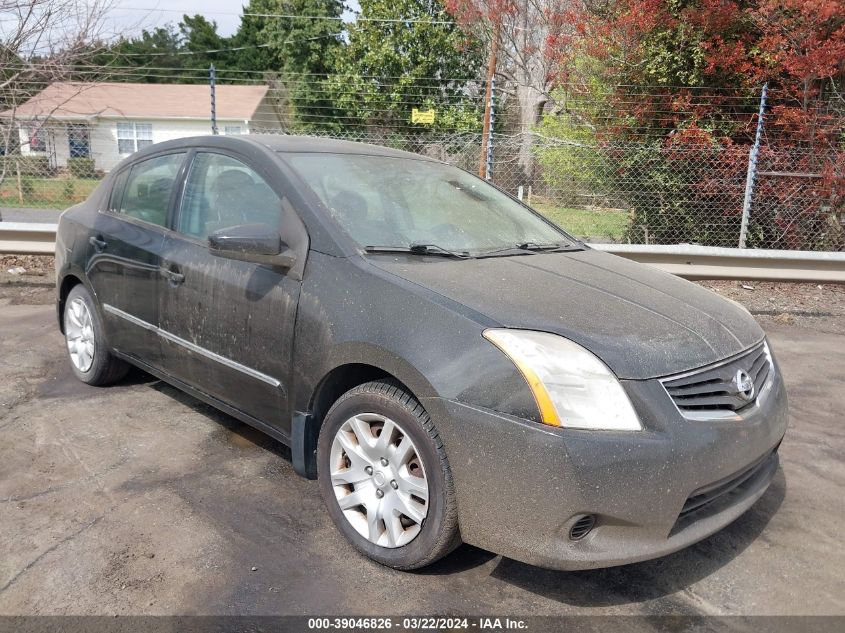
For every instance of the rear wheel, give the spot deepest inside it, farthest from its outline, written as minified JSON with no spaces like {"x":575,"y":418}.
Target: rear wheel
{"x":89,"y":355}
{"x":385,"y":477}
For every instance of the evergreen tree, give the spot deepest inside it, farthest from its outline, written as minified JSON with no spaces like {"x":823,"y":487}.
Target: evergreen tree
{"x":390,"y":67}
{"x":157,"y":48}
{"x":295,"y":53}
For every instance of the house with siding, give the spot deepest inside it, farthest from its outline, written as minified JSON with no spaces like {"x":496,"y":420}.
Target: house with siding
{"x":109,"y":121}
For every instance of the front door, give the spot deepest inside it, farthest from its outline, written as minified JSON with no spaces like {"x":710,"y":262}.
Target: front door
{"x":124,"y":254}
{"x":227,"y":326}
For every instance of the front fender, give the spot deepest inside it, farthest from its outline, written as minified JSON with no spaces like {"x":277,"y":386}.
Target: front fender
{"x":353,"y":313}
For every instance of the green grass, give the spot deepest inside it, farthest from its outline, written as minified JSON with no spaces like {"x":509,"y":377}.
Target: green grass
{"x":45,"y":193}
{"x":601,"y":223}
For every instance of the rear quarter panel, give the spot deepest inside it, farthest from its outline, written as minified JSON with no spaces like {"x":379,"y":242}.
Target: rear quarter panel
{"x":72,"y":246}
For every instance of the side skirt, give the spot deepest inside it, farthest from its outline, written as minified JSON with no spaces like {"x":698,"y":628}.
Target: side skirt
{"x":275,"y":433}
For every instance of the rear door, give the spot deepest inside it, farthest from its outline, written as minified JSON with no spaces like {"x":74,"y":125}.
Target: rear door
{"x":125,"y":247}
{"x":228,"y":325}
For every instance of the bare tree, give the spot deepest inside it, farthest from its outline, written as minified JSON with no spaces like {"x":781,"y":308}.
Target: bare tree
{"x":41,"y":42}
{"x":529,"y":33}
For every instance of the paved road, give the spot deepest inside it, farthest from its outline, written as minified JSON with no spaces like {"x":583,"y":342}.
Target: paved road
{"x":138,"y":499}
{"x":9,"y":214}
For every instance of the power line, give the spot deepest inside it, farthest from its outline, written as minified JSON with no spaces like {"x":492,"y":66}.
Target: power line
{"x":718,"y":92}
{"x":208,"y":52}
{"x":358,"y":18}
{"x":259,"y":73}
{"x":229,"y":49}
{"x":610,"y":97}
{"x":199,"y":76}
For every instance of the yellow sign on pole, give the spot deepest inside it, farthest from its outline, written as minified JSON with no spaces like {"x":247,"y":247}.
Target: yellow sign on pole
{"x":424,"y":117}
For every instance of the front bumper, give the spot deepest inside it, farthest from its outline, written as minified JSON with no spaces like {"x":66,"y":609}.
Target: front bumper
{"x":521,"y":485}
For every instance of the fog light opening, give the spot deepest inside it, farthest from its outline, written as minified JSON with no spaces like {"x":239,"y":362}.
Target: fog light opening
{"x":582,"y":527}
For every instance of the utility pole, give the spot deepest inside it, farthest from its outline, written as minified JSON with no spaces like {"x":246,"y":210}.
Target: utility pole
{"x":486,"y":149}
{"x":212,"y":80}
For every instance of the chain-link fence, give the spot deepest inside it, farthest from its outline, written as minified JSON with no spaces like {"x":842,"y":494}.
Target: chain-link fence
{"x":646,"y":188}
{"x":658,"y":193}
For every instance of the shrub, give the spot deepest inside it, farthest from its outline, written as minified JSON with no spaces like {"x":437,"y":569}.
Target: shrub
{"x":694,"y":193}
{"x":575,"y":174}
{"x":81,"y":167}
{"x":38,"y":166}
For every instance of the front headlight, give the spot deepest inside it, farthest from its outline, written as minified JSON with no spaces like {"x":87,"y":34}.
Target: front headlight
{"x":572,"y":387}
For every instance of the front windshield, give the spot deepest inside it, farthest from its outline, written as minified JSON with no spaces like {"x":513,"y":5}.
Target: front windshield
{"x":400,"y":202}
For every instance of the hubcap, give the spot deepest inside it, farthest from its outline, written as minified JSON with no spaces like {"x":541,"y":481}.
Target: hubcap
{"x":79,"y":334}
{"x":379,"y":480}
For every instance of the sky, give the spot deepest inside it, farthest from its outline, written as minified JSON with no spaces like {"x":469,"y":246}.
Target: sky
{"x":130,"y":16}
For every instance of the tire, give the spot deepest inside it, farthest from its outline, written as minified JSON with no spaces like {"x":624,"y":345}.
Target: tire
{"x":102,"y":368}
{"x":381,"y":404}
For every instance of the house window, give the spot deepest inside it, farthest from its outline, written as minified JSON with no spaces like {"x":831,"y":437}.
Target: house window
{"x":79,"y":140}
{"x":230,"y":130}
{"x":133,"y":136}
{"x":37,"y":142}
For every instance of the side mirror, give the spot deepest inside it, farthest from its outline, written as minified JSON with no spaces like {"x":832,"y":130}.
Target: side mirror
{"x":257,"y":243}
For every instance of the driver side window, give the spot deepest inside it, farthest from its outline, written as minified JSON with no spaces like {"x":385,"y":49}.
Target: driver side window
{"x":222,"y":192}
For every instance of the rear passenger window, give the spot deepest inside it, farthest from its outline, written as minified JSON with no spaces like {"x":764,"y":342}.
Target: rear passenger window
{"x":222,"y":192}
{"x":149,"y":184}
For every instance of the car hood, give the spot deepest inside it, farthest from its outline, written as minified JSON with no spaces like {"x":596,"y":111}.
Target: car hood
{"x":642,"y":322}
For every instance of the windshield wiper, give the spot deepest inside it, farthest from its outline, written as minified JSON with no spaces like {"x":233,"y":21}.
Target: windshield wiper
{"x":525,"y":248}
{"x":534,"y":246}
{"x":419,"y":249}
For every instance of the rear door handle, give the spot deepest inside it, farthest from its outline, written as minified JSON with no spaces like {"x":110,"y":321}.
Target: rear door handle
{"x":173,"y":276}
{"x":98,"y":244}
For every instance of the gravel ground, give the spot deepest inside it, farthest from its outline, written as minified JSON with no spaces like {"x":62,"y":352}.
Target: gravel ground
{"x":35,"y":286}
{"x":817,"y":306}
{"x":35,"y":265}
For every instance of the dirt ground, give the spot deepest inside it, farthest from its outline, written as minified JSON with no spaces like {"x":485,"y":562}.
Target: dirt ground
{"x":137,"y":499}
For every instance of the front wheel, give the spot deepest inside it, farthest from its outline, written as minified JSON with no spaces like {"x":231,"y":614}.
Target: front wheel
{"x":86,"y":345}
{"x":385,"y":478}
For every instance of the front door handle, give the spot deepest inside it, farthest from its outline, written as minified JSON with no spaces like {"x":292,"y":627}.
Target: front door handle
{"x":98,"y":244}
{"x":173,"y":276}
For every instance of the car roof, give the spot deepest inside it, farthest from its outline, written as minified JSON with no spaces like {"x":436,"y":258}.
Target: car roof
{"x":284,"y":143}
{"x":292,"y":143}
{"x":281,"y":143}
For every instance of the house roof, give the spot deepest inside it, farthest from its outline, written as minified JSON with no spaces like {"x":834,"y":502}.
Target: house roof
{"x":78,"y":100}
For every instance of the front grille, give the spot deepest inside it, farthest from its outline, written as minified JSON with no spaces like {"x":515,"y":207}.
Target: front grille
{"x":707,"y":495}
{"x":723,"y":389}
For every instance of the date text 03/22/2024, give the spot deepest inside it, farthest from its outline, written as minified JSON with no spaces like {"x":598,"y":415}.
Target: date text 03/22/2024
{"x":418,"y":623}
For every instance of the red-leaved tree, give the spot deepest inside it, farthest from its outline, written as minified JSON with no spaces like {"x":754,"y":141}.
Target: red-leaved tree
{"x":797,"y":46}
{"x":689,"y":72}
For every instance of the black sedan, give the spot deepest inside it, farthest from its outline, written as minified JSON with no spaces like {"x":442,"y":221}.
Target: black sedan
{"x":450,"y":365}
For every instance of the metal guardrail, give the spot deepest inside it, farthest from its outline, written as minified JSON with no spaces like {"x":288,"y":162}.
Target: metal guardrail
{"x":708,"y":262}
{"x":27,"y":238}
{"x":685,"y":260}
